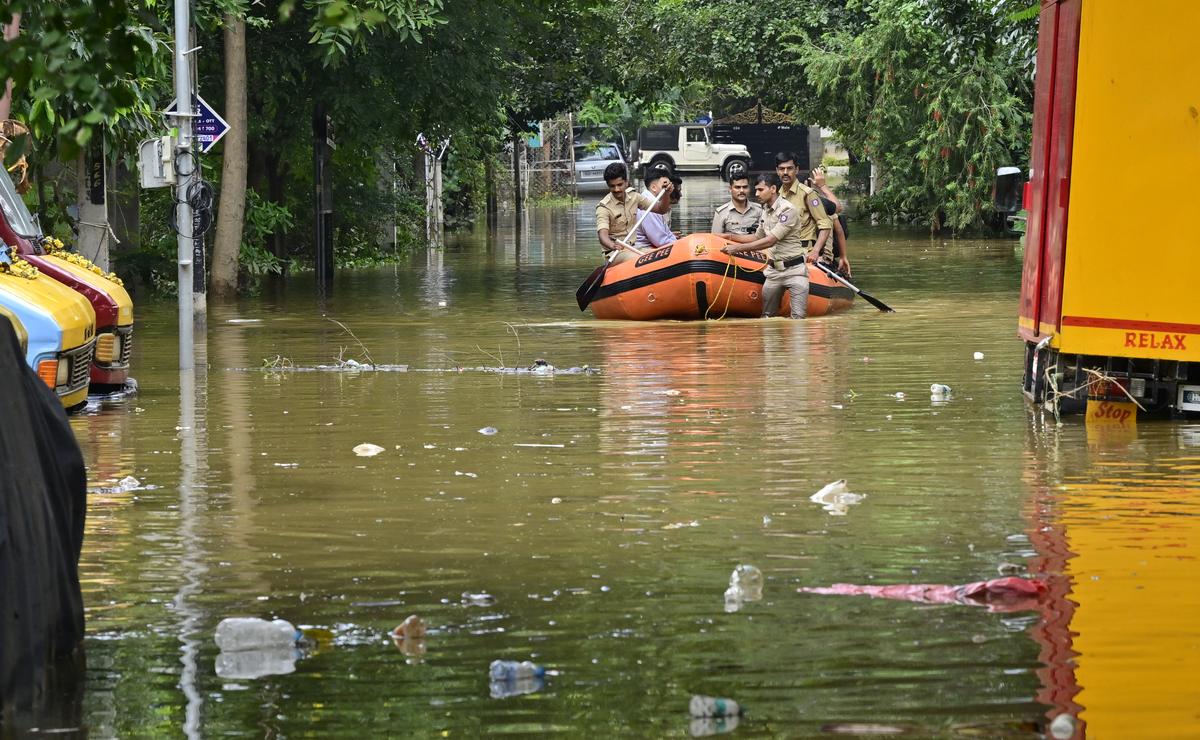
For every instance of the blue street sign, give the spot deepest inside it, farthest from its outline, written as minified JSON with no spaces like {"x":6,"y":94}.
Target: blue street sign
{"x":209,"y":128}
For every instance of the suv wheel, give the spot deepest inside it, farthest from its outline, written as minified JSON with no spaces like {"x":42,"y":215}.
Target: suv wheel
{"x":661,"y":162}
{"x":732,"y":166}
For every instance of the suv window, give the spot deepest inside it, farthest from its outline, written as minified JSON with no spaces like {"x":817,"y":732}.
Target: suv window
{"x":660,"y":138}
{"x":695,"y":135}
{"x":595,"y":153}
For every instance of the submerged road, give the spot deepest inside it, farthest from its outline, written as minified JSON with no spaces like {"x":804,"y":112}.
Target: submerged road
{"x":603,"y":512}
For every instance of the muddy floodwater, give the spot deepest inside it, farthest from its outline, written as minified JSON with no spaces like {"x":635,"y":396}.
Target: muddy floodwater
{"x":589,"y":520}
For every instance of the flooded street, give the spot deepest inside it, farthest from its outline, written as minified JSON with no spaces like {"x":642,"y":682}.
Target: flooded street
{"x":594,"y":532}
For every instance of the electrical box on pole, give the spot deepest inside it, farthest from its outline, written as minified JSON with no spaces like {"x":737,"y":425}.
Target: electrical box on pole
{"x":156,"y":162}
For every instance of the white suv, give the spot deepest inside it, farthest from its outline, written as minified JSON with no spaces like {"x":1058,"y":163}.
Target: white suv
{"x":688,"y":148}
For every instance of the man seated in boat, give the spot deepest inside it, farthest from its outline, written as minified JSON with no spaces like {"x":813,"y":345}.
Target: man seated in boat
{"x":739,"y":215}
{"x":787,"y":236}
{"x":617,"y":212}
{"x":655,"y":229}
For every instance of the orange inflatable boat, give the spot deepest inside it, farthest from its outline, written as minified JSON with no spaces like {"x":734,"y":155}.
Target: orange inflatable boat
{"x":694,"y":279}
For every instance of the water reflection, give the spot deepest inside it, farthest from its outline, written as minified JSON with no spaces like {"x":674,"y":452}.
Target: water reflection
{"x":1115,"y":526}
{"x":605,"y":513}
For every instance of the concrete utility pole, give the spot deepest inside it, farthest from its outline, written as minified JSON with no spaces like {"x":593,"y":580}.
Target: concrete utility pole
{"x":185,"y":174}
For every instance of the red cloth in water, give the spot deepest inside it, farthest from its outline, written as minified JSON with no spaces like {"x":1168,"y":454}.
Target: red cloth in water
{"x":998,"y":594}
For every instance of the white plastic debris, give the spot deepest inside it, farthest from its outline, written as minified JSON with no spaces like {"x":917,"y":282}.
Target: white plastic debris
{"x":745,"y":584}
{"x":978,"y":355}
{"x":366,"y":449}
{"x":1063,"y":727}
{"x":126,"y":484}
{"x":898,"y":395}
{"x":836,"y":498}
{"x":488,"y":431}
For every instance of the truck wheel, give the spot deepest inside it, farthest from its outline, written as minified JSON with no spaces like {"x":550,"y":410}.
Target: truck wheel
{"x":735,"y":166}
{"x":662,"y":163}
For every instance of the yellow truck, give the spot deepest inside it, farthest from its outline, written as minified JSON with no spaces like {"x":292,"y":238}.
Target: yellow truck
{"x":1109,"y":313}
{"x":60,"y":325}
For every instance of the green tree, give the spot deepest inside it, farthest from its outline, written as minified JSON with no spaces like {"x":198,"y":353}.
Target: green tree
{"x":77,"y":68}
{"x":936,"y":93}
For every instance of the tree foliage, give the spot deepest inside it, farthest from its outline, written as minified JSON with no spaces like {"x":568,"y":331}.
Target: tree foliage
{"x":937,"y":94}
{"x":80,"y":66}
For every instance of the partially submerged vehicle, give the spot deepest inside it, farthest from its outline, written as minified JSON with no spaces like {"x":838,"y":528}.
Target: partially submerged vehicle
{"x":109,"y":300}
{"x":60,"y":323}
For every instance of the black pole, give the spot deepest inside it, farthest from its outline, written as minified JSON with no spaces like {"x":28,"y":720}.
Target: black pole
{"x":323,"y":198}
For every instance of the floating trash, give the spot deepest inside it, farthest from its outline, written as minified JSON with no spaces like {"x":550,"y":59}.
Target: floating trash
{"x":366,"y":449}
{"x":489,"y":431}
{"x":978,"y":355}
{"x":1009,"y":569}
{"x":745,"y":584}
{"x":479,"y":599}
{"x":898,"y":395}
{"x":682,"y":525}
{"x":412,"y":628}
{"x":712,"y":706}
{"x":836,"y":498}
{"x":125,"y":485}
{"x":1063,"y":727}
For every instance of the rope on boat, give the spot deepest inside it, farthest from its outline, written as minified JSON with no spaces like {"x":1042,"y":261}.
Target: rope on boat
{"x":701,"y":249}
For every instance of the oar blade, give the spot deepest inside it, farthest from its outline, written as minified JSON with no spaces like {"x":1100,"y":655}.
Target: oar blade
{"x":866,"y":296}
{"x":876,"y":302}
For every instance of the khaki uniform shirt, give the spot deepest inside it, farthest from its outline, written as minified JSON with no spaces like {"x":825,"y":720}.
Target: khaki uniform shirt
{"x":728,"y":219}
{"x":782,"y":220}
{"x":618,"y":217}
{"x":812,"y":214}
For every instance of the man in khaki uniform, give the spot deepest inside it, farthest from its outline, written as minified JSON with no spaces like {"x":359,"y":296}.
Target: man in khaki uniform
{"x":739,"y":215}
{"x":617,"y":212}
{"x":789,"y":247}
{"x":813,"y":218}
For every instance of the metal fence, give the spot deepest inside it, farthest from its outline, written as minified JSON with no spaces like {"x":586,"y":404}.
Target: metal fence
{"x":547,"y":163}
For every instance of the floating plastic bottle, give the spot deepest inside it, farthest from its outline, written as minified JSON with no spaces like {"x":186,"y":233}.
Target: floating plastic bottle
{"x":251,"y":633}
{"x":511,"y":670}
{"x":939,"y":389}
{"x":712,"y":706}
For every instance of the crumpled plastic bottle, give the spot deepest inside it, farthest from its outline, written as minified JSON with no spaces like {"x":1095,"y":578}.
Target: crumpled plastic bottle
{"x":251,"y":633}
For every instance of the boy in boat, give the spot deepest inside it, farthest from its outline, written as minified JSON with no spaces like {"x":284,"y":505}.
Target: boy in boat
{"x":781,"y":233}
{"x":739,"y":215}
{"x":617,"y":212}
{"x":655,"y":229}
